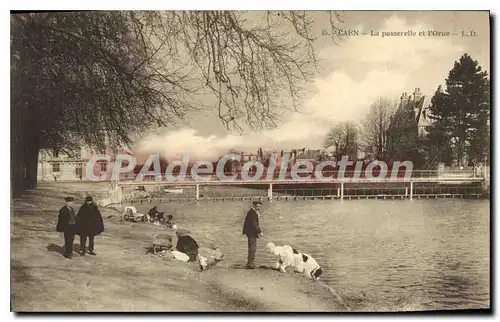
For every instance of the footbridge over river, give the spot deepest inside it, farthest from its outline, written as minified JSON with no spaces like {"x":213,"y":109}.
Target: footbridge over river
{"x":353,"y":184}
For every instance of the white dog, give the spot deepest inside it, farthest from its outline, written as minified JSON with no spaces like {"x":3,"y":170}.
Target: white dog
{"x":286,"y":256}
{"x":298,"y":261}
{"x":309,"y":267}
{"x":129,"y":211}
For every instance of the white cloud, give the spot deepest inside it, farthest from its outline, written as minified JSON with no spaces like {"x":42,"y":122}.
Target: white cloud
{"x":388,"y":67}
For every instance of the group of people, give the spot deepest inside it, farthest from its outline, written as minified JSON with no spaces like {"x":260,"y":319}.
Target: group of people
{"x":87,"y":224}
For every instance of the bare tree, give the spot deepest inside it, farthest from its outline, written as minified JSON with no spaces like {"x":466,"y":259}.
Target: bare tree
{"x":247,"y":61}
{"x":373,"y":131}
{"x":85,"y":76}
{"x":343,"y":139}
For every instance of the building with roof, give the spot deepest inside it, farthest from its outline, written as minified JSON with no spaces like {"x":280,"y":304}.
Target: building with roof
{"x":55,"y":165}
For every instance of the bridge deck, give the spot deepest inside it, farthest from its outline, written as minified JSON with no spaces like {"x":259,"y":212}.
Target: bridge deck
{"x":216,"y":181}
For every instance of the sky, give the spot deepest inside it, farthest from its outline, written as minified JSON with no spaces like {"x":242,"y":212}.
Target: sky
{"x":353,"y":73}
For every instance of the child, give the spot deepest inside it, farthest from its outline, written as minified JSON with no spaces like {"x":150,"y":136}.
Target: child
{"x":187,"y":245}
{"x":170,"y":221}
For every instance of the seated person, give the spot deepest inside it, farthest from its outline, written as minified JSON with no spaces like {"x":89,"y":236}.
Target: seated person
{"x":187,"y":245}
{"x":152,"y":213}
{"x":209,"y":256}
{"x":170,"y":221}
{"x":129,"y":211}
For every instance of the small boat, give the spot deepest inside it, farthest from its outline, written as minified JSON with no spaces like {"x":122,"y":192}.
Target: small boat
{"x":174,"y":190}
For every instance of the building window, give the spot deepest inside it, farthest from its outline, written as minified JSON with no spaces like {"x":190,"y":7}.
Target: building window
{"x":77,"y":154}
{"x":56,"y":154}
{"x":56,"y":167}
{"x":103,"y":166}
{"x":78,"y":171}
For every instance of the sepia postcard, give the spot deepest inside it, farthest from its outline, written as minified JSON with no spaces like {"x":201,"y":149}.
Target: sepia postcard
{"x":250,"y":161}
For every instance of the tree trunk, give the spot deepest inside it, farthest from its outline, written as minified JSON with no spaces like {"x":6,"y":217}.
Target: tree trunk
{"x":379,"y":148}
{"x":16,"y":151}
{"x":459,"y":151}
{"x":25,"y":146}
{"x":25,"y":133}
{"x":32,"y":165}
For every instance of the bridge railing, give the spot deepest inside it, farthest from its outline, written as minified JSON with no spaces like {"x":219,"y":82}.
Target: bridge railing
{"x":400,"y":175}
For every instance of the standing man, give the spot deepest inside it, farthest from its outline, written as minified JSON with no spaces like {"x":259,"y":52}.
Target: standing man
{"x":252,"y":230}
{"x":66,"y":225}
{"x":89,"y":223}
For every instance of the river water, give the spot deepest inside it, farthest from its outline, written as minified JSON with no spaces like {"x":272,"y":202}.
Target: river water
{"x":436,"y":251}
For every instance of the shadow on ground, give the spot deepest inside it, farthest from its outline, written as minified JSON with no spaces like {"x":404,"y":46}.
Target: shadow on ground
{"x":60,"y":249}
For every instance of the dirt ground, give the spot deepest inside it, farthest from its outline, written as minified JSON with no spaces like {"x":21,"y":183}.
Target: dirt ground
{"x":123,"y":277}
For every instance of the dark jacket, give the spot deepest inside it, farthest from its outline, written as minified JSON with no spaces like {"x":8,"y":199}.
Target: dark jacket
{"x":152,"y":212}
{"x":251,"y":226}
{"x":66,"y":220}
{"x":89,"y":221}
{"x":187,"y":245}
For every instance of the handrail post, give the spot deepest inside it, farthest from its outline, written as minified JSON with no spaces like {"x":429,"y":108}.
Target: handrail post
{"x":342,"y":190}
{"x":411,"y":189}
{"x":270,"y":192}
{"x":197,"y":192}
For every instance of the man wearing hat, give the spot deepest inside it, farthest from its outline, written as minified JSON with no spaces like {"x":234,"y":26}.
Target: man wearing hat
{"x":89,"y":223}
{"x":252,"y":230}
{"x":66,"y":225}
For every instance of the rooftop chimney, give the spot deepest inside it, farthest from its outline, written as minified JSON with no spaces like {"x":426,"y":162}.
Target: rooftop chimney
{"x":417,"y":95}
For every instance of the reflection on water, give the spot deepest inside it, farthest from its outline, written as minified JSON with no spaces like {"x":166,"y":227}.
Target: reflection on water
{"x":435,"y":250}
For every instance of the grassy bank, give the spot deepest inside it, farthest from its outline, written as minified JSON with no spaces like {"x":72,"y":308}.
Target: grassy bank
{"x":312,"y":190}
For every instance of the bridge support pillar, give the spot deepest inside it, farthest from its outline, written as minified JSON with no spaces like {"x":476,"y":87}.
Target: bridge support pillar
{"x":197,"y":192}
{"x":341,"y":190}
{"x":118,"y":193}
{"x":270,"y":192}
{"x":411,"y":189}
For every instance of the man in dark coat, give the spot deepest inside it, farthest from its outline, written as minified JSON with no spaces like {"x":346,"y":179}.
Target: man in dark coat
{"x":66,"y":225}
{"x":252,"y":230}
{"x":89,"y":223}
